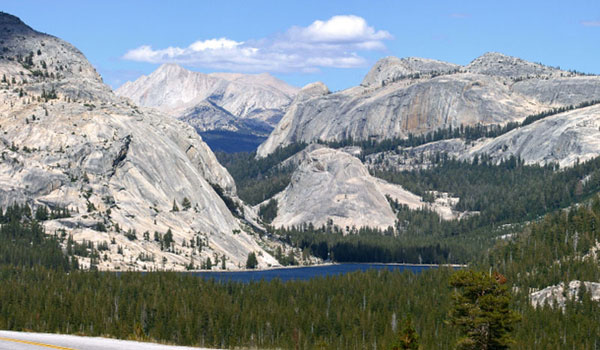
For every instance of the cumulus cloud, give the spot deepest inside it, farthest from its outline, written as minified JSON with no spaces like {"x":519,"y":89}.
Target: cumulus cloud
{"x":336,"y":42}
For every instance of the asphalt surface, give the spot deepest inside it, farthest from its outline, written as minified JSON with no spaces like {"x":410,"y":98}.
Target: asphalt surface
{"x":38,"y":341}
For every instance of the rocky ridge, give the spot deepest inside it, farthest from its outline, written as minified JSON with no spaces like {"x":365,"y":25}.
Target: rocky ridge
{"x":564,"y":139}
{"x":397,"y":99}
{"x":390,"y":69}
{"x":184,"y":94}
{"x":68,"y":142}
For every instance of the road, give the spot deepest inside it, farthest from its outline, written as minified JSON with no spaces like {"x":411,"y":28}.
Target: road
{"x":38,"y":341}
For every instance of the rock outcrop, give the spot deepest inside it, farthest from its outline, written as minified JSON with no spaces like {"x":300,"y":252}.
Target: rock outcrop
{"x":403,"y":96}
{"x":67,"y":141}
{"x":390,"y":69}
{"x":497,"y":64}
{"x":332,"y":185}
{"x":565,"y":138}
{"x":560,"y":294}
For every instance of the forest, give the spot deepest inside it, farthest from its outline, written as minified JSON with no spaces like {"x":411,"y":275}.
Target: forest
{"x":536,"y":226}
{"x":504,"y":197}
{"x":259,"y":179}
{"x":353,"y":311}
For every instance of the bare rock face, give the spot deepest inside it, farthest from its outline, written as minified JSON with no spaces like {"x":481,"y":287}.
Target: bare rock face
{"x":185,"y":94}
{"x":564,"y":138}
{"x":287,"y":127}
{"x":560,"y":293}
{"x":334,"y":185}
{"x":560,"y":91}
{"x":403,"y":96}
{"x":214,"y":117}
{"x":391,"y":69}
{"x":67,"y":141}
{"x":497,"y":64}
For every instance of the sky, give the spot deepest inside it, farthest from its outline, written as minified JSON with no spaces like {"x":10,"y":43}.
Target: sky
{"x":300,"y":42}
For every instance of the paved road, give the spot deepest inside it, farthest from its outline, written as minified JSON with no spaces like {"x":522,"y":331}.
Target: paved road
{"x":38,"y":341}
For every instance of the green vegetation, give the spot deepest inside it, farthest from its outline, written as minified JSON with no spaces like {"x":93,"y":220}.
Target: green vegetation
{"x":480,"y":310}
{"x":233,"y":206}
{"x":231,"y":141}
{"x":357,"y":310}
{"x":504,"y":193}
{"x":268,"y":212}
{"x":408,"y":339}
{"x":536,"y":226}
{"x":553,"y":249}
{"x":24,"y":243}
{"x":347,"y":312}
{"x":468,"y":133}
{"x":259,"y":179}
{"x":371,"y":245}
{"x":505,"y":196}
{"x":251,"y":262}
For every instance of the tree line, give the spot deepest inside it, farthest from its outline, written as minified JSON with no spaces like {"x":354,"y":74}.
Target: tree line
{"x":465,"y":132}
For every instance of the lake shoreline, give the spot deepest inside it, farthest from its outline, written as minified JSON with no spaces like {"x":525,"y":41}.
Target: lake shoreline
{"x":275,"y":268}
{"x":310,"y":272}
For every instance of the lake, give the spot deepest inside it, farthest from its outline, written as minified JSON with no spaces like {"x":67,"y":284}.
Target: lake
{"x":305,"y":273}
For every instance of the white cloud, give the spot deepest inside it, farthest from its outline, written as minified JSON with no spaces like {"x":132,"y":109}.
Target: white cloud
{"x":339,"y":29}
{"x":214,"y":44}
{"x":332,"y":43}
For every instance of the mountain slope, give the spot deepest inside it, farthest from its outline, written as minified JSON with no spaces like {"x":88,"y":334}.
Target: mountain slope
{"x":415,"y":96}
{"x":67,"y":141}
{"x":332,"y":185}
{"x":565,"y":138}
{"x":562,"y":138}
{"x":253,"y":103}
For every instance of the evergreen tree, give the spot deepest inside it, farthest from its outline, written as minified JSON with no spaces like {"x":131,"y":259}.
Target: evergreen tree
{"x":251,"y":262}
{"x":186,"y":204}
{"x":481,"y":310}
{"x":408,"y":339}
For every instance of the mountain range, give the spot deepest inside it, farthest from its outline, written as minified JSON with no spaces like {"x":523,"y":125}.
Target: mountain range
{"x":399,"y":97}
{"x":223,"y":107}
{"x":133,"y":166}
{"x":129,"y":176}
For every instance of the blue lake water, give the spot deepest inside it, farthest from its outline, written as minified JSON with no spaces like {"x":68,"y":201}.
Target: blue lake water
{"x":305,"y":273}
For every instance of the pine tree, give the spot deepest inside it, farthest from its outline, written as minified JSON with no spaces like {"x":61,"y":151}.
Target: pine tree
{"x":408,"y":339}
{"x":251,"y":262}
{"x":481,"y":310}
{"x":186,"y":204}
{"x":175,"y":207}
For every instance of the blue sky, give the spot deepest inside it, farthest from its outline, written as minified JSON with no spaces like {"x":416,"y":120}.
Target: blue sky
{"x":332,"y":41}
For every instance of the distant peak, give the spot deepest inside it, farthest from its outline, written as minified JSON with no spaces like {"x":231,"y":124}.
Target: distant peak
{"x":494,"y":54}
{"x":315,"y":87}
{"x":312,"y":90}
{"x":498,"y":64}
{"x":495,"y":57}
{"x":7,"y":18}
{"x":8,"y":21}
{"x":170,"y":71}
{"x":389,"y":69}
{"x":170,"y":67}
